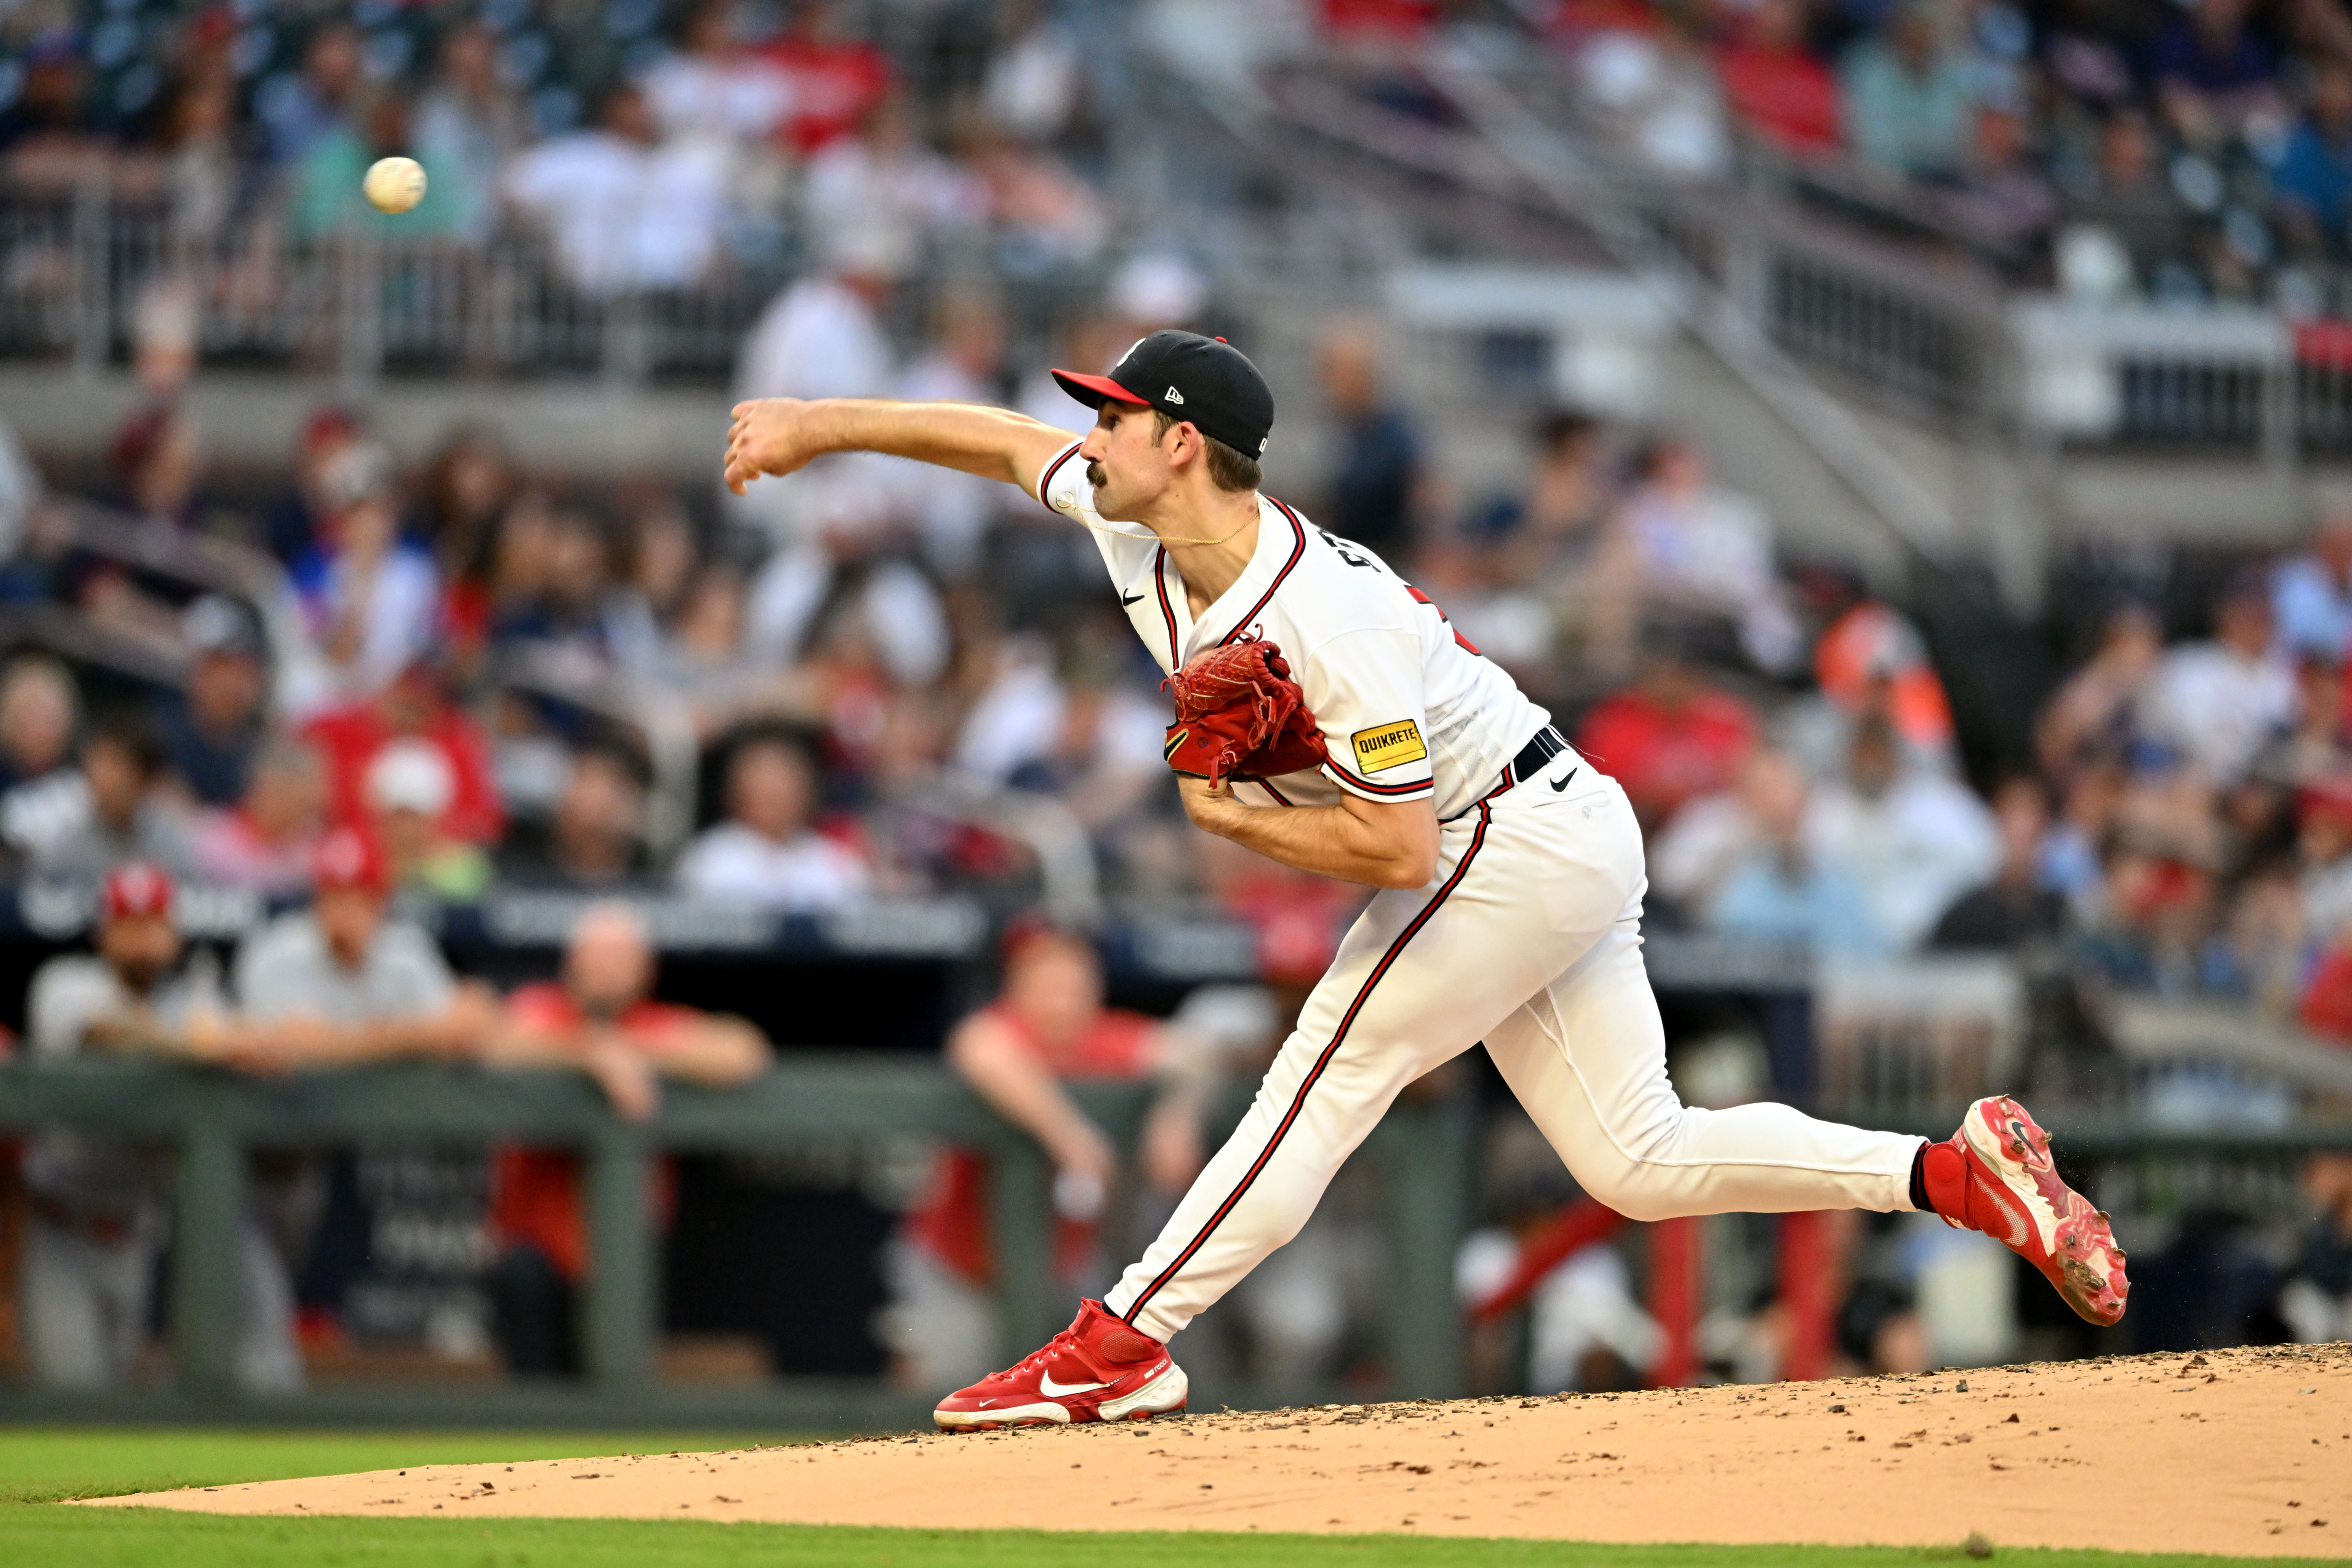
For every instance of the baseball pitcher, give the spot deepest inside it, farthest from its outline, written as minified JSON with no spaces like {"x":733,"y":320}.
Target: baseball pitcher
{"x":1330,"y":718}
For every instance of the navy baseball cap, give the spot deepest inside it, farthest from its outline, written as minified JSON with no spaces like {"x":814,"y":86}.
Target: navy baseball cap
{"x":1206,"y":382}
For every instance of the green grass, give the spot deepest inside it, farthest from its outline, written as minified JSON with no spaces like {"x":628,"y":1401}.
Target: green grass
{"x":39,"y":1466}
{"x":41,"y":1463}
{"x":143,"y":1537}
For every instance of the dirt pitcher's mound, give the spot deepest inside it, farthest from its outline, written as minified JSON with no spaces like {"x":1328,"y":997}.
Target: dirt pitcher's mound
{"x":2244,"y":1452}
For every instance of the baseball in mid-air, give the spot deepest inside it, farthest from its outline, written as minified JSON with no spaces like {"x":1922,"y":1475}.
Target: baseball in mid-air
{"x":395,"y":185}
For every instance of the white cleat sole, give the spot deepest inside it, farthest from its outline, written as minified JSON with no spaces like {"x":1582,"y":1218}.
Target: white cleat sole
{"x":1163,"y":1394}
{"x":1040,"y":1413}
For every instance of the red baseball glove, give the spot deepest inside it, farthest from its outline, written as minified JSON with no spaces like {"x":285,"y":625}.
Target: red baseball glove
{"x":1239,"y":713}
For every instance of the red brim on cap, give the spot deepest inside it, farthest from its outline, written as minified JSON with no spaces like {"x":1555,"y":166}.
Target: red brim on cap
{"x":1091,"y":390}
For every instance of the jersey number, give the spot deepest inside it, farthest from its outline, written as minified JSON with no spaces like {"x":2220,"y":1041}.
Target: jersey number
{"x":1339,"y":547}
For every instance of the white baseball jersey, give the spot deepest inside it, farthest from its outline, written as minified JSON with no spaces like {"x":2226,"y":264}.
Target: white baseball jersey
{"x":1408,"y":707}
{"x":1526,"y":939}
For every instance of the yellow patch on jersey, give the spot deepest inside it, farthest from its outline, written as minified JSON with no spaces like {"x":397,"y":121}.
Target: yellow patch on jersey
{"x":1387,"y":746}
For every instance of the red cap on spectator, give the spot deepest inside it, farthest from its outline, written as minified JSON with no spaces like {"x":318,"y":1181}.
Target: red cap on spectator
{"x":134,"y":888}
{"x":348,"y":859}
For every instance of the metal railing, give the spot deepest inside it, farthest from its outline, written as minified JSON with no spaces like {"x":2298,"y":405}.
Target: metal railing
{"x":1901,"y":316}
{"x":212,"y":1119}
{"x":1423,"y":1151}
{"x":155,"y":548}
{"x":1932,"y":327}
{"x":76,"y":263}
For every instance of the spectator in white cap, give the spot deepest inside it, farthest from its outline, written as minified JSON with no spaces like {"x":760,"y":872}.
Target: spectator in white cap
{"x":409,"y":786}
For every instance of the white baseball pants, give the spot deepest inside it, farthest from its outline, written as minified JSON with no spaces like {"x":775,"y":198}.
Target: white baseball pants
{"x":1530,"y":940}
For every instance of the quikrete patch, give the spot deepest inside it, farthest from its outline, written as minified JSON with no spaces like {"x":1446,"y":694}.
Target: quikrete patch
{"x":1388,"y":745}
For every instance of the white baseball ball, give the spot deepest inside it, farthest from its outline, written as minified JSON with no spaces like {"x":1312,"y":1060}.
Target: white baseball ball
{"x":395,"y":185}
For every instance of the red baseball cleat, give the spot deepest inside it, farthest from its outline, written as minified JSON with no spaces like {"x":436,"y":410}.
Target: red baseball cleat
{"x":1995,"y":1175}
{"x":1098,"y":1368}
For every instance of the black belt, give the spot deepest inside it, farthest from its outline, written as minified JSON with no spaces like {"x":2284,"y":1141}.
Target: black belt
{"x":1535,"y":756}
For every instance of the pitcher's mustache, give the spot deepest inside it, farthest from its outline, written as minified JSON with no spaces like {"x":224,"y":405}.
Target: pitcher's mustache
{"x":1095,"y":475}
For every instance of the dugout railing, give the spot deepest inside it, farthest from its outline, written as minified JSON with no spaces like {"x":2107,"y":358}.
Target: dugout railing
{"x":2198,"y":1104}
{"x":211,"y":1119}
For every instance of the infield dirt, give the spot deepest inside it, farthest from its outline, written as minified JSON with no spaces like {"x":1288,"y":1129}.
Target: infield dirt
{"x":2244,"y":1452}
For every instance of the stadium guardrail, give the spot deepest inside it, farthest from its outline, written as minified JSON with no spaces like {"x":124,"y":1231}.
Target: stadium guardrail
{"x":80,"y":262}
{"x":1936,"y":331}
{"x":212,"y":1119}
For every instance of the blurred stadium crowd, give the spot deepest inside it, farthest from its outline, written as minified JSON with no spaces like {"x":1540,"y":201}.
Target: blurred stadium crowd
{"x":465,"y":673}
{"x":2181,"y":152}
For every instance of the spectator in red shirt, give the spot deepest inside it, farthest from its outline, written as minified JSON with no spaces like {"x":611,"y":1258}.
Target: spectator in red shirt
{"x":832,"y":81}
{"x":1777,"y":89}
{"x":2326,"y":1006}
{"x":1671,"y":736}
{"x":1047,"y":1025}
{"x":415,"y":706}
{"x":599,"y":1019}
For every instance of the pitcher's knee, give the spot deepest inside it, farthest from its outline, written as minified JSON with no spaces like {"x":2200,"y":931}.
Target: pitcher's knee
{"x":1625,"y":1187}
{"x":1639,"y":1182}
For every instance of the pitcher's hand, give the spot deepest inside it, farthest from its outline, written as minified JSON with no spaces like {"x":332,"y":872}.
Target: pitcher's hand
{"x":771,"y":436}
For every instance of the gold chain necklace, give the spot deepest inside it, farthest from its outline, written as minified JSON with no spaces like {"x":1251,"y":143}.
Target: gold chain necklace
{"x":1122,"y":534}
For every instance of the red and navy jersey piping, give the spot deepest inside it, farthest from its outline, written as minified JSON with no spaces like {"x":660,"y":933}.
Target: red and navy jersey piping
{"x":1386,"y":791}
{"x":1167,"y":610}
{"x":1298,"y":550}
{"x":1045,"y":482}
{"x":1267,"y":785}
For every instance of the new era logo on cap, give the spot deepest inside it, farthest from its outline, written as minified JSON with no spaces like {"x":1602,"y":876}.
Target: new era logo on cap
{"x":1172,"y":395}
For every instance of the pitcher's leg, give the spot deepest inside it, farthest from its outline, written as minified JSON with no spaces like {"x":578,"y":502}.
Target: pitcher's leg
{"x":1587,"y":1056}
{"x":1420,"y":978}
